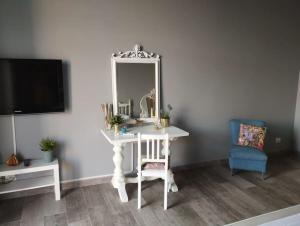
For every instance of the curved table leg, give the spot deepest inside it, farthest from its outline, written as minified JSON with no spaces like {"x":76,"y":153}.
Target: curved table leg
{"x":118,"y":180}
{"x":172,"y":185}
{"x":171,"y":182}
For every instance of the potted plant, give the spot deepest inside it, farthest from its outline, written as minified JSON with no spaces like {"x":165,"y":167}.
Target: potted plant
{"x":47,"y":146}
{"x":115,"y":122}
{"x":165,"y":116}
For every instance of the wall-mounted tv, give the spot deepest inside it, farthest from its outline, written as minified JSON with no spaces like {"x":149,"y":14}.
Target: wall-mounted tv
{"x":31,"y":86}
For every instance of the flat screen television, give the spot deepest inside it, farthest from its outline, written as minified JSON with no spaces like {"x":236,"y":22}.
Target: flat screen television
{"x":31,"y":86}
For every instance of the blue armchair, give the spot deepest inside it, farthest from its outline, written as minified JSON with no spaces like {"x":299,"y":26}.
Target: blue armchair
{"x":242,"y":157}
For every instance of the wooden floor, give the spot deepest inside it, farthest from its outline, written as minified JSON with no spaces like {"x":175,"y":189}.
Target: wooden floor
{"x":207,"y":196}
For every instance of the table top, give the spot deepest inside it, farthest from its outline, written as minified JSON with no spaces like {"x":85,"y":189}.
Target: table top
{"x":34,"y":164}
{"x":174,"y":132}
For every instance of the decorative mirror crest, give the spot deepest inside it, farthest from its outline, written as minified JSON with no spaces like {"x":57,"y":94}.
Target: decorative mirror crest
{"x":137,"y":52}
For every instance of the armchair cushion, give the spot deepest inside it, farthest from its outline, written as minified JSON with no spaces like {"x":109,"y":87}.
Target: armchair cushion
{"x":243,"y":152}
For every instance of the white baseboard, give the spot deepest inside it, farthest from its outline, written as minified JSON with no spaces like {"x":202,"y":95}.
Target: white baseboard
{"x":85,"y":181}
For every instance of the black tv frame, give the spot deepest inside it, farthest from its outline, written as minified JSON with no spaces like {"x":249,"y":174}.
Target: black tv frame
{"x":60,"y":107}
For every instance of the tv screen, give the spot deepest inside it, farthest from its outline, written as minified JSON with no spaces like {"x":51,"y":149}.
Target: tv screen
{"x":31,"y":86}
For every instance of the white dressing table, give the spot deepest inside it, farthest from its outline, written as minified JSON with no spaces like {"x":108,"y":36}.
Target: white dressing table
{"x":119,"y":141}
{"x":136,"y":81}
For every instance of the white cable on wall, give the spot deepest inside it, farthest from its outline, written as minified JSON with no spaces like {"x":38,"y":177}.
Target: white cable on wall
{"x":14,"y":133}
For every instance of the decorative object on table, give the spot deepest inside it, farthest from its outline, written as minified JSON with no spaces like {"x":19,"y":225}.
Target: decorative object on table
{"x":117,"y":128}
{"x":246,"y":157}
{"x":139,"y":122}
{"x":7,"y":179}
{"x":134,"y":123}
{"x":165,"y":117}
{"x":152,"y":113}
{"x":253,"y":136}
{"x":123,"y":130}
{"x":131,"y":121}
{"x":26,"y":162}
{"x":147,"y":105}
{"x":47,"y":146}
{"x":12,"y":160}
{"x":108,"y":113}
{"x":115,"y":122}
{"x":158,"y":125}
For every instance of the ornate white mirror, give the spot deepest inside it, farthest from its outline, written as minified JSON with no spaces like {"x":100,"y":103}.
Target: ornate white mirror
{"x":135,"y":83}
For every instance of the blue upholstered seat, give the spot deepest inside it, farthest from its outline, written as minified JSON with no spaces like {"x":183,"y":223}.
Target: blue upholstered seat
{"x":241,"y":152}
{"x":246,"y":158}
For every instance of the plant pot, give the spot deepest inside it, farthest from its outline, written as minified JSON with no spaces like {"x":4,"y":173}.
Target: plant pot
{"x":48,"y":156}
{"x":117,"y":128}
{"x":165,"y":122}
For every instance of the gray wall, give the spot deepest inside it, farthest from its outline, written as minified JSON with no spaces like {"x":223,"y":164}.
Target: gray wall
{"x":220,"y":59}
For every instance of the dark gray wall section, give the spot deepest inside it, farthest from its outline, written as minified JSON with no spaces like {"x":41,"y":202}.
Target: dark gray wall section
{"x":220,"y":59}
{"x":133,"y":82}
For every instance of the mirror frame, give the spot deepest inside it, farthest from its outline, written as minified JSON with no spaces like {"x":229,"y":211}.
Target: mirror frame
{"x":137,"y":55}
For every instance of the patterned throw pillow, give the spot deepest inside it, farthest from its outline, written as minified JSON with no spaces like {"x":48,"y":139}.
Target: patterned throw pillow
{"x":252,"y":136}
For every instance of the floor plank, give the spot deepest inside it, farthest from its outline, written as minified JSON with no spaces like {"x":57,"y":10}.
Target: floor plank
{"x":12,"y":223}
{"x":76,"y":207}
{"x":11,"y":210}
{"x":38,"y":206}
{"x":57,"y":220}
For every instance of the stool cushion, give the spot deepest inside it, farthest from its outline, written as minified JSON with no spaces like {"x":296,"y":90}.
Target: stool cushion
{"x":241,"y":152}
{"x":154,"y":165}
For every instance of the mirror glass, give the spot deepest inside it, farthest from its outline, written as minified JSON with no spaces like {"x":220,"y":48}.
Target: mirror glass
{"x":136,"y":89}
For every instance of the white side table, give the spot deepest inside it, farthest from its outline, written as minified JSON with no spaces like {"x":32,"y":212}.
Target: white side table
{"x":31,"y":183}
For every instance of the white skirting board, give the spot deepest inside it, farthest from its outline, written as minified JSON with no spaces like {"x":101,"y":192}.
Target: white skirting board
{"x":86,"y":181}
